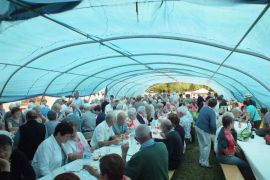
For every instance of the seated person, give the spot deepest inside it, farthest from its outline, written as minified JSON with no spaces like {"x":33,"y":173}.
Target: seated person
{"x":13,"y":164}
{"x":133,"y":121}
{"x":103,"y":134}
{"x":15,"y":120}
{"x":50,"y":154}
{"x":173,"y":142}
{"x":120,"y":126}
{"x":226,"y":148}
{"x":177,"y":127}
{"x":67,"y":176}
{"x":141,"y":115}
{"x":154,"y":153}
{"x":111,"y":168}
{"x":76,"y":145}
{"x":52,"y":123}
{"x":266,"y":119}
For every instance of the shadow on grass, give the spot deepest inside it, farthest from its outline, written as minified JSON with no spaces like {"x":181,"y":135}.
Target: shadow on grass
{"x":190,"y":169}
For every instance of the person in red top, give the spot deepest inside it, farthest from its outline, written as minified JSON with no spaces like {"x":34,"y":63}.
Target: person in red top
{"x":226,"y":148}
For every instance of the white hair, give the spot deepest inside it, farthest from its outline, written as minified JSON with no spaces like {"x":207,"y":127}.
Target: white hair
{"x":141,"y":109}
{"x":142,"y":131}
{"x":182,"y":109}
{"x":166,"y":123}
{"x":86,"y":106}
{"x":132,"y":111}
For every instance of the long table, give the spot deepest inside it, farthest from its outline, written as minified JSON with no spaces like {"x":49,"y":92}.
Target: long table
{"x":257,"y":153}
{"x":76,"y":166}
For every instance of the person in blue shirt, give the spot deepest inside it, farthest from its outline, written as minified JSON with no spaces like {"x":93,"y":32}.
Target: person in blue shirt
{"x":205,"y":128}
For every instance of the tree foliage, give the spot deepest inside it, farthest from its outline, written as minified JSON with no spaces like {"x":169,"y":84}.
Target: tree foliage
{"x":176,"y":87}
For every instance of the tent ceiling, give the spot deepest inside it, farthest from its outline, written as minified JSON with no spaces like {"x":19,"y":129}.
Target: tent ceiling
{"x":130,"y":45}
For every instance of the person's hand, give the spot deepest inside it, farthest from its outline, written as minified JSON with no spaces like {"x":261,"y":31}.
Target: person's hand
{"x":93,"y":171}
{"x":116,"y":141}
{"x":124,"y":148}
{"x":4,"y":165}
{"x":162,"y":134}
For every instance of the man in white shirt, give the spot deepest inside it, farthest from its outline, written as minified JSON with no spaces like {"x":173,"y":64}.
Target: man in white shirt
{"x":76,"y":100}
{"x":103,"y":134}
{"x":50,"y":154}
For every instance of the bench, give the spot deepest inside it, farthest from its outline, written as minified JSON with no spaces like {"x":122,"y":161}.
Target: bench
{"x":171,"y":172}
{"x":231,"y":172}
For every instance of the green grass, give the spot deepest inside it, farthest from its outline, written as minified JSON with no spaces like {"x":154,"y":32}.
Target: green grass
{"x":190,"y":169}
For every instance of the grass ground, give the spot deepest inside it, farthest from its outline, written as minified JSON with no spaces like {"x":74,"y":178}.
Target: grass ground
{"x":190,"y":169}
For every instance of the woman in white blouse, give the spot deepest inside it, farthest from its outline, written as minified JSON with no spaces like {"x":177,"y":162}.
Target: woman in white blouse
{"x":76,"y":145}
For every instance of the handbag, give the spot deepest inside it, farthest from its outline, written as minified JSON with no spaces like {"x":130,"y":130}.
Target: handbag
{"x":244,"y":135}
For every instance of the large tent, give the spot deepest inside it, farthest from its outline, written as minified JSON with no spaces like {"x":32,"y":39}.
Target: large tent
{"x":53,"y":47}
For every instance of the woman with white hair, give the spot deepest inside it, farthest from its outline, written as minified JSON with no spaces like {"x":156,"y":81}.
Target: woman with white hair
{"x":185,"y":121}
{"x":133,"y":121}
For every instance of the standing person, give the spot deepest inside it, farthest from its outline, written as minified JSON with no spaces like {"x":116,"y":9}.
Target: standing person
{"x":76,"y":100}
{"x":200,"y":102}
{"x":13,"y":164}
{"x":30,"y":135}
{"x":252,"y":114}
{"x":205,"y":128}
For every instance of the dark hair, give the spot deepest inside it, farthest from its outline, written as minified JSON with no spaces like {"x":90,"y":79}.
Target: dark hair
{"x":97,"y":108}
{"x":14,"y":110}
{"x":212,"y":102}
{"x":247,"y":102}
{"x":113,"y":166}
{"x":31,"y":115}
{"x":5,"y":140}
{"x":63,"y":128}
{"x":67,"y":176}
{"x":227,"y":120}
{"x":103,"y":105}
{"x":51,"y":115}
{"x":264,"y":111}
{"x":173,"y":118}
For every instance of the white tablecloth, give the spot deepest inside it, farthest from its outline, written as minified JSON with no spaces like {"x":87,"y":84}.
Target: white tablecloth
{"x":257,"y":153}
{"x":76,"y":166}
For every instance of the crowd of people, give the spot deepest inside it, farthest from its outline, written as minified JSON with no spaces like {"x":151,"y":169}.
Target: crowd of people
{"x":41,"y":139}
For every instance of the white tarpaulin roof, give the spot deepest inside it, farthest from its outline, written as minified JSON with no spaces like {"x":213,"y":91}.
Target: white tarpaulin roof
{"x":128,"y":45}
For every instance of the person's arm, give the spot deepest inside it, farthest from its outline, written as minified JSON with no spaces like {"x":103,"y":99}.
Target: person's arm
{"x":108,"y":143}
{"x":4,"y":170}
{"x":213,"y":124}
{"x":93,"y":171}
{"x":17,"y":139}
{"x":124,"y":149}
{"x":75,"y":156}
{"x":4,"y":165}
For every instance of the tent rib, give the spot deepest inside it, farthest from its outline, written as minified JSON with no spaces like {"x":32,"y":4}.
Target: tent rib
{"x":167,"y":54}
{"x":243,"y":37}
{"x":113,"y":83}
